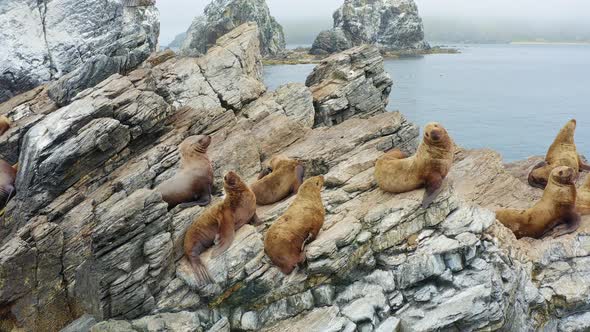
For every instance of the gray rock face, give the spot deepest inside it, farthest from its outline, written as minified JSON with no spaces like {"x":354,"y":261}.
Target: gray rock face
{"x":388,"y":24}
{"x":349,"y":84}
{"x":91,"y":39}
{"x":222,"y":16}
{"x":330,"y":41}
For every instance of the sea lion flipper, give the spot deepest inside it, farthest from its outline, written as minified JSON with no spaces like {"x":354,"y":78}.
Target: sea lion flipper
{"x":226,"y":233}
{"x":299,"y":175}
{"x":255,"y":221}
{"x":203,"y":200}
{"x":266,"y":171}
{"x":434,"y":185}
{"x":570,"y":224}
{"x":201,"y":274}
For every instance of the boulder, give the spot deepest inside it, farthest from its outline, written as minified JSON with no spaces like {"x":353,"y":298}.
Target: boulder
{"x":349,"y":84}
{"x":222,"y":16}
{"x":390,"y":25}
{"x":85,"y":41}
{"x":330,"y":41}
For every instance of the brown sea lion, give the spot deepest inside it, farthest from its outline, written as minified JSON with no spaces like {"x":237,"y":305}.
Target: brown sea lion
{"x":4,"y":124}
{"x":7,"y":178}
{"x":282,"y":178}
{"x":301,"y":223}
{"x":221,"y":220}
{"x":192,"y":184}
{"x":557,"y":207}
{"x":562,"y":152}
{"x":396,"y":173}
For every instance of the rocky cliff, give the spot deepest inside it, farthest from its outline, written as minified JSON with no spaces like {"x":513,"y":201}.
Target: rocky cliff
{"x":87,"y":240}
{"x":391,"y":25}
{"x":43,"y":40}
{"x":221,"y":16}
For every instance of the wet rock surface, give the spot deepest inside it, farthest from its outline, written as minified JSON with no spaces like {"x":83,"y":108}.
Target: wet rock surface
{"x":222,"y":16}
{"x":388,"y":24}
{"x":82,"y":42}
{"x":87,"y":241}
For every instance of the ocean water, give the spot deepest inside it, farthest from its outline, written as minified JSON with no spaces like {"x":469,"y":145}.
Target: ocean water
{"x":510,"y":98}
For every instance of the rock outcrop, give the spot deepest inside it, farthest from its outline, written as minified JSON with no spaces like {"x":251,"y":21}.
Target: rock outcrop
{"x":87,"y":241}
{"x":88,"y":40}
{"x":222,"y":16}
{"x":390,"y":25}
{"x":349,"y":84}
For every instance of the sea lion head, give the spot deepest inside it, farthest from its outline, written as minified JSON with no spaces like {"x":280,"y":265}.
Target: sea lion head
{"x":539,"y":175}
{"x":435,"y":134}
{"x":280,"y":160}
{"x":312,"y":185}
{"x":195,"y":144}
{"x":232,"y":182}
{"x":563,"y":175}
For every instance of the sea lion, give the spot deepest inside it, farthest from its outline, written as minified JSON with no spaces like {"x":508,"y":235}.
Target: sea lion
{"x":396,"y":173}
{"x":4,"y":124}
{"x":192,"y":184}
{"x":221,"y":220}
{"x":562,"y":152}
{"x":283,"y":177}
{"x":285,"y":240}
{"x":7,"y":178}
{"x":557,"y":207}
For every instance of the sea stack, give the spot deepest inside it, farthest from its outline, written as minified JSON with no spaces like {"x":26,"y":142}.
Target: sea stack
{"x":222,"y":16}
{"x":391,"y":25}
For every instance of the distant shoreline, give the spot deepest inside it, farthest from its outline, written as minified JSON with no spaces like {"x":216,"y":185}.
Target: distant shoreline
{"x":301,"y":55}
{"x":547,"y":43}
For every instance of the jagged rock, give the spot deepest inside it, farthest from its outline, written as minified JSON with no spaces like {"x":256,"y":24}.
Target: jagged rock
{"x":82,"y":324}
{"x":388,"y":24}
{"x":89,"y":166}
{"x":349,"y":84}
{"x":222,"y":16}
{"x":177,"y":322}
{"x":86,"y":41}
{"x":330,"y":41}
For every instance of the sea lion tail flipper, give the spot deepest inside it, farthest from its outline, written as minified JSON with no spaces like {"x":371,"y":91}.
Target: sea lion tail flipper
{"x":299,"y":175}
{"x":434,"y":185}
{"x":202,"y":276}
{"x":226,"y":234}
{"x":570,"y":224}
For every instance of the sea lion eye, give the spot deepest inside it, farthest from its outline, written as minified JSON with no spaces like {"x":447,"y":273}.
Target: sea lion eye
{"x":560,"y":172}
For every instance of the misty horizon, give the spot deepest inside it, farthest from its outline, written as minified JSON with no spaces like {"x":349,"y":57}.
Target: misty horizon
{"x":455,"y":20}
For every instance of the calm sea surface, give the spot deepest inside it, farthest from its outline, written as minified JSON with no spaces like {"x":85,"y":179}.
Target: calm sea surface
{"x":510,"y":98}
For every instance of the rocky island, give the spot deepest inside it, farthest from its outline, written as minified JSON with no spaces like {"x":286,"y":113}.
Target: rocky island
{"x":88,"y":245}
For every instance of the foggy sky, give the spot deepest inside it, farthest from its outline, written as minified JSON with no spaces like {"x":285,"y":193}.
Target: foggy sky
{"x":176,"y":15}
